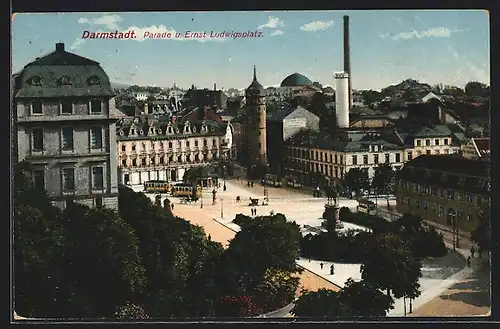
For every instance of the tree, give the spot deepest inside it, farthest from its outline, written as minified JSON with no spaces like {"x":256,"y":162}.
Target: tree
{"x":39,"y":245}
{"x":482,"y":233}
{"x":237,"y":306}
{"x":272,"y":241}
{"x":409,"y":95}
{"x":321,"y":303}
{"x":356,"y":180}
{"x":364,"y":299}
{"x":387,"y":263}
{"x":408,"y":286}
{"x":131,"y":311}
{"x":384,"y":180}
{"x":102,"y":262}
{"x":371,"y":96}
{"x":318,"y":85}
{"x":277,"y":289}
{"x":453,"y":91}
{"x":477,"y":89}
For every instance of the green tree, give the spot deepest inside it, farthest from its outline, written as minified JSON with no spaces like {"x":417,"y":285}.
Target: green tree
{"x":408,"y":286}
{"x":321,"y":303}
{"x":371,"y":96}
{"x":102,"y":258}
{"x":131,"y":311}
{"x":277,"y":289}
{"x":39,"y":247}
{"x":477,"y":89}
{"x":357,"y":180}
{"x":318,"y":85}
{"x":387,"y":262}
{"x":482,"y":233}
{"x":181,"y":264}
{"x":384,"y":180}
{"x":272,"y":241}
{"x":364,"y":299}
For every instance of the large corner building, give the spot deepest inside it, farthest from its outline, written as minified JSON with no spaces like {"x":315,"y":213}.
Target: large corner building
{"x":65,"y":127}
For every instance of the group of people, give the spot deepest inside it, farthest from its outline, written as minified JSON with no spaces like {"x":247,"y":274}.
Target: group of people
{"x":469,"y":259}
{"x":332,"y":268}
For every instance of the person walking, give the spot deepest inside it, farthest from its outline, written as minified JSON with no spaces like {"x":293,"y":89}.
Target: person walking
{"x":321,"y":265}
{"x":172,"y":206}
{"x":255,"y":211}
{"x":472,"y":251}
{"x":332,"y":269}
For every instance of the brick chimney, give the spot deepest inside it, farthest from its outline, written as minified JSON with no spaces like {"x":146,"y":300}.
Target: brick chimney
{"x":59,"y":47}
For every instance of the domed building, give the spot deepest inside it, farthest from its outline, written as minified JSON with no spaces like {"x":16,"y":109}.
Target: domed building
{"x":296,"y":80}
{"x":298,"y":85}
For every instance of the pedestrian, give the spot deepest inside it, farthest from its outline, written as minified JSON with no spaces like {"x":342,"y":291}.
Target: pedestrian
{"x":251,"y":184}
{"x":472,"y":251}
{"x":251,"y":209}
{"x":255,"y":211}
{"x":468,"y":261}
{"x":332,"y":269}
{"x":321,"y":265}
{"x":172,"y":206}
{"x":209,"y":237}
{"x":201,"y":204}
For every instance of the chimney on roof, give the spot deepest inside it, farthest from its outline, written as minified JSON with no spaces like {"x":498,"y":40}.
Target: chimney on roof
{"x":215,"y":87}
{"x":59,"y":46}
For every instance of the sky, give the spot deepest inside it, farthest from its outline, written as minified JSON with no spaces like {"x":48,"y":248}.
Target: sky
{"x":387,"y":47}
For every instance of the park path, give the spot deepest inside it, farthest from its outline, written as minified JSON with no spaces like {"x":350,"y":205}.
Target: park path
{"x":204,"y":217}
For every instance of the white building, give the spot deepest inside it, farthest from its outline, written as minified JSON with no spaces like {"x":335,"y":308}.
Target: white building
{"x":165,"y":151}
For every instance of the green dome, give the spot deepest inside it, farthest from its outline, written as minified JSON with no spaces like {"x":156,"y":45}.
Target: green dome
{"x":296,"y":80}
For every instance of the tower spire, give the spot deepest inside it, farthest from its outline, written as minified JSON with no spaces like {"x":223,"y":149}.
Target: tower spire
{"x":254,"y":73}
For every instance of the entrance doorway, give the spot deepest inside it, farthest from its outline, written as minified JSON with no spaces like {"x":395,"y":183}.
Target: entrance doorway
{"x":173,"y":175}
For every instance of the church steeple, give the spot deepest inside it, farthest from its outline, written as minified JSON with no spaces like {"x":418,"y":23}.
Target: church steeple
{"x":255,"y":87}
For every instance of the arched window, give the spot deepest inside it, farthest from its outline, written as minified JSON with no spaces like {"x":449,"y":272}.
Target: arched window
{"x":36,"y":80}
{"x":65,"y":80}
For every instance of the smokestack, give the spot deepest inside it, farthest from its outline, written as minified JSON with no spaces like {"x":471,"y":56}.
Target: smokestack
{"x":342,"y":99}
{"x":347,"y":56}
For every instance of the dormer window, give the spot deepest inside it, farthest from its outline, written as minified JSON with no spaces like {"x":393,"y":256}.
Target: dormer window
{"x":36,"y":80}
{"x":159,"y":131}
{"x":93,"y":80}
{"x":65,"y":80}
{"x":132,"y":131}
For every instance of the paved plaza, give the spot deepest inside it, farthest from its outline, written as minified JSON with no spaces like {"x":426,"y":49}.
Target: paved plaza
{"x":438,"y":274}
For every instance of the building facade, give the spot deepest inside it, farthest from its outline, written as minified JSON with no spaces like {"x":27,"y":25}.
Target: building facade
{"x":255,"y":130}
{"x":429,"y":140}
{"x":446,"y":189}
{"x":149,"y":150}
{"x":283,"y":124}
{"x":307,"y":153}
{"x":64,"y":125}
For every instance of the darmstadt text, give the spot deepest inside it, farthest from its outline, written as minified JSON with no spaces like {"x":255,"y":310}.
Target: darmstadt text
{"x":109,"y":35}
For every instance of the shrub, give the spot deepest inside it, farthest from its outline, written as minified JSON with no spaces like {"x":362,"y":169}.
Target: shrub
{"x":241,"y":220}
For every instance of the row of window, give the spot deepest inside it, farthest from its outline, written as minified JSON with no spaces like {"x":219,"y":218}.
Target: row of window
{"x":427,"y":152}
{"x":452,"y":214}
{"x":428,"y":142}
{"x":66,"y":107}
{"x":339,"y":159}
{"x":171,"y":159}
{"x":68,"y":178}
{"x":441,"y":192}
{"x":133,"y":147}
{"x":67,"y":139}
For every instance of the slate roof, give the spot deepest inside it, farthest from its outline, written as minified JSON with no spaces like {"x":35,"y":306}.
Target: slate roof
{"x":255,"y":88}
{"x":323,"y":140}
{"x":280,"y":114}
{"x":448,"y":171}
{"x":142,"y":123}
{"x":51,"y":69}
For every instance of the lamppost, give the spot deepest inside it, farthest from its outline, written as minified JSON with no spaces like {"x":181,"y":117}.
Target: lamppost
{"x":224,"y":176}
{"x":454,"y":230}
{"x":222,"y":208}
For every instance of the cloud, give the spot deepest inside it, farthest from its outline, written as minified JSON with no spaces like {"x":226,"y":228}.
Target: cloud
{"x":272,"y":23}
{"x":77,"y":44}
{"x":109,"y":21}
{"x":317,"y":26}
{"x":435,"y":32}
{"x":277,"y":32}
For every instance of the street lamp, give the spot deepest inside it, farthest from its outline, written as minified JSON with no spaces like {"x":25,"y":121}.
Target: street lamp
{"x":224,"y":176}
{"x":221,"y":208}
